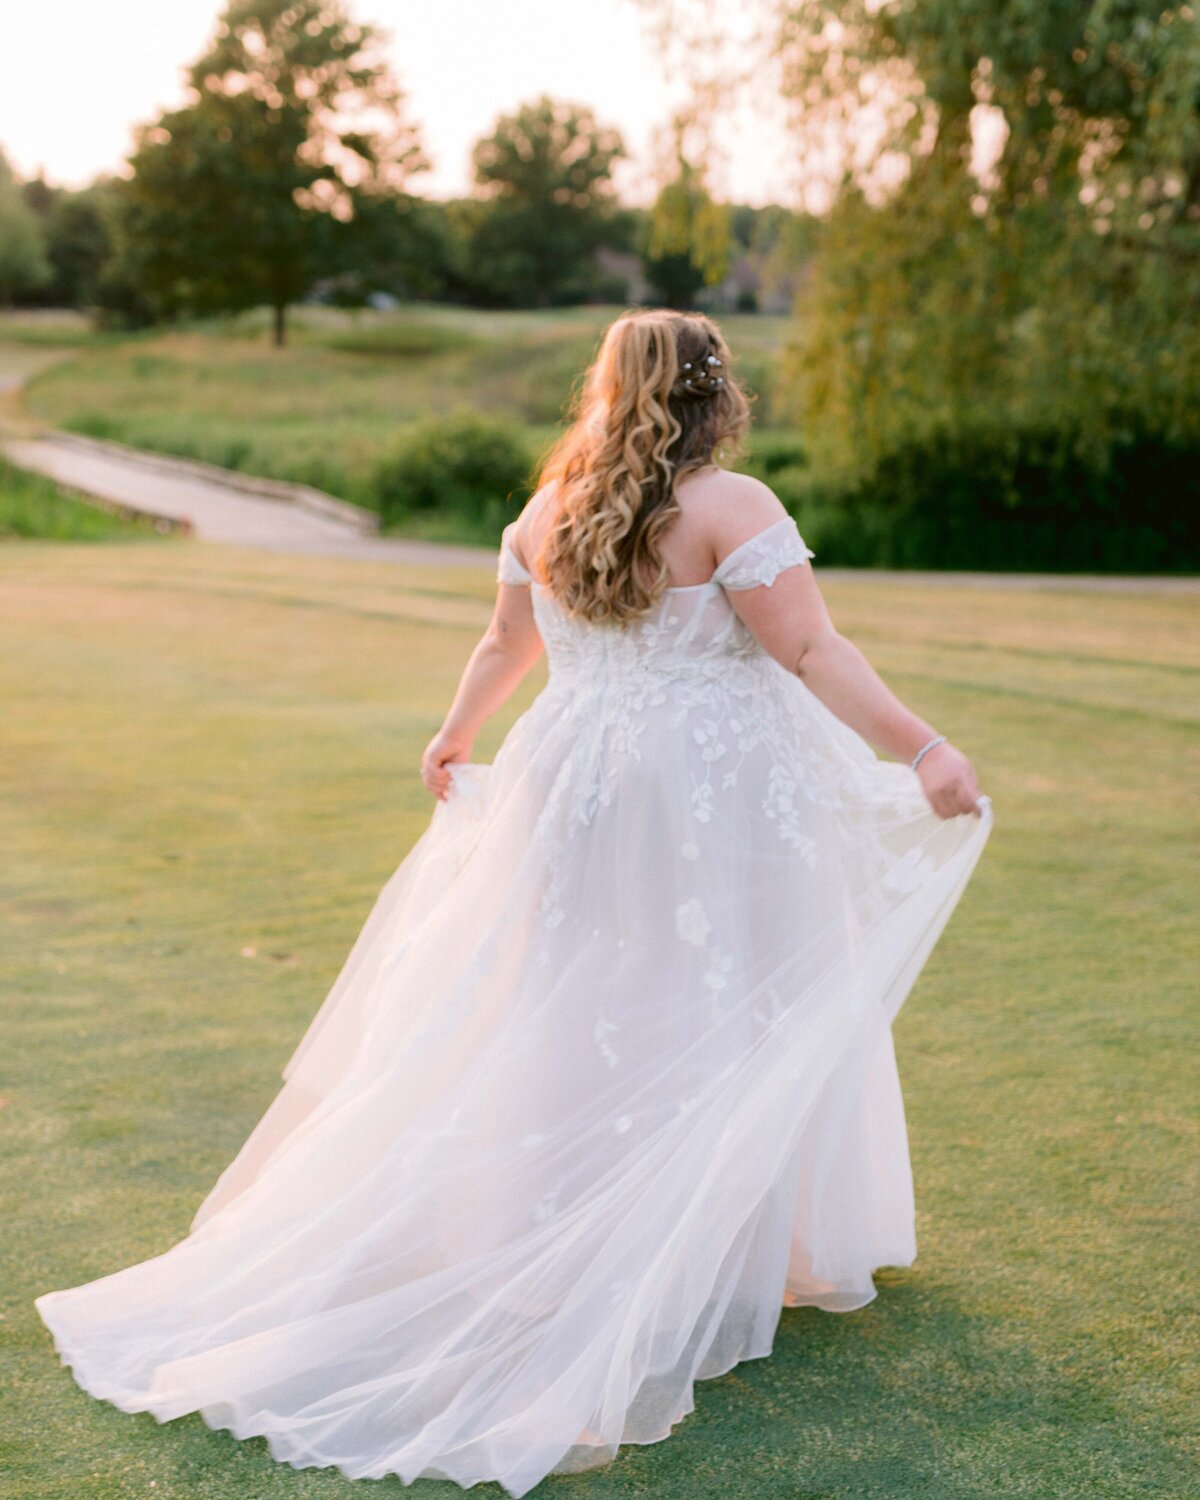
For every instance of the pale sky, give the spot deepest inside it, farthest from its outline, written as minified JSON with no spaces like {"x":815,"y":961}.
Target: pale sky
{"x":76,"y":75}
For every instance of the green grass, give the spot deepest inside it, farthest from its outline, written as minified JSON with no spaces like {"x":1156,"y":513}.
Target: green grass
{"x":35,"y":507}
{"x":323,"y":409}
{"x":208,"y":770}
{"x":53,"y":327}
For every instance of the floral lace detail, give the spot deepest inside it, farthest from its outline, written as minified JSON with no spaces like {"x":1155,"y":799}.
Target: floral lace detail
{"x":600,"y":1035}
{"x":686,"y":678}
{"x":760,"y":560}
{"x":781,"y":807}
{"x":691,"y":922}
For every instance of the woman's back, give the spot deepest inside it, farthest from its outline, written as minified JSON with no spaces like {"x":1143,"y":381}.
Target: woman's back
{"x":718,"y":510}
{"x":691,"y":631}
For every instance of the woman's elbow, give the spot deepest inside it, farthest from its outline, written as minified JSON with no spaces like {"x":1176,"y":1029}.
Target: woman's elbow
{"x":813,"y":648}
{"x":512,"y":646}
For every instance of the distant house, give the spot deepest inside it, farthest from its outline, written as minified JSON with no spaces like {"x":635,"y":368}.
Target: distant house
{"x":750,"y":286}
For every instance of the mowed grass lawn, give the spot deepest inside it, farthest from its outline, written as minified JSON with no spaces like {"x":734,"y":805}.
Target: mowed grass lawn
{"x":208,"y":770}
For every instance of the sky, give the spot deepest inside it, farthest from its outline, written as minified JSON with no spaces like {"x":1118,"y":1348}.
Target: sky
{"x":76,"y":75}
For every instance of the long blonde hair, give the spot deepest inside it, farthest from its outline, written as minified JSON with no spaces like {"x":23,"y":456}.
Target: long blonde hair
{"x":639,"y":421}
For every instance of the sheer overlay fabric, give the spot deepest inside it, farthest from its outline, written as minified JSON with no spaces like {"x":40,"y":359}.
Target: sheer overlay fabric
{"x":606,"y":1081}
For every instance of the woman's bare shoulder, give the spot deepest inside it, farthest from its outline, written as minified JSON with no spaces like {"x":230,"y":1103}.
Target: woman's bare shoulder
{"x":727,"y":507}
{"x":535,"y":519}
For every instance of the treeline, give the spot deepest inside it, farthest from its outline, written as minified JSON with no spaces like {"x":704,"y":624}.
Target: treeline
{"x":995,"y":355}
{"x":61,"y":247}
{"x":266,"y":187}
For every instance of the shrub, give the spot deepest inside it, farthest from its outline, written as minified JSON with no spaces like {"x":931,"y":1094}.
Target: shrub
{"x":769,"y":451}
{"x":1011,"y":499}
{"x":95,"y":424}
{"x":465,"y":463}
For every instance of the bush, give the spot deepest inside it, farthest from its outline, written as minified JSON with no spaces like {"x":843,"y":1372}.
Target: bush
{"x":1027,"y":499}
{"x":463,"y":463}
{"x":770,"y":451}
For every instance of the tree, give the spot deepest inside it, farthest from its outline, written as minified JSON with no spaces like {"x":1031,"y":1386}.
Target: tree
{"x":1013,"y":204}
{"x":1058,"y":280}
{"x":401,"y":245}
{"x":251,"y":190}
{"x":23,"y":264}
{"x":79,"y":242}
{"x":545,"y":204}
{"x":689,"y":243}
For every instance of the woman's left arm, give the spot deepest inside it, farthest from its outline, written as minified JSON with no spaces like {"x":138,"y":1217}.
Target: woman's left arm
{"x":507,"y":650}
{"x":791,"y":621}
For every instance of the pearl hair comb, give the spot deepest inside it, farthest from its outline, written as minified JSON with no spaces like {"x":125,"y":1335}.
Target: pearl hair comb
{"x":699,"y":376}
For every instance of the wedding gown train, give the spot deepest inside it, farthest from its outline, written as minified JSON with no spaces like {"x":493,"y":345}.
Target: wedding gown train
{"x":607,"y":1079}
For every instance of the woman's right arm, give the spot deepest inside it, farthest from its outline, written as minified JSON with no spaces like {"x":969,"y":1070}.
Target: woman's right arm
{"x":499,"y":663}
{"x":502,"y":658}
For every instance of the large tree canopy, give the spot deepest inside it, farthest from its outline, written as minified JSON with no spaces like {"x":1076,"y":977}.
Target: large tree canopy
{"x":547,"y":202}
{"x":1012,"y":189}
{"x":252,"y":189}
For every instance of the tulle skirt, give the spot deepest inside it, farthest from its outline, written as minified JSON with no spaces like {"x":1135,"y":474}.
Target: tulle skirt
{"x":606,"y":1081}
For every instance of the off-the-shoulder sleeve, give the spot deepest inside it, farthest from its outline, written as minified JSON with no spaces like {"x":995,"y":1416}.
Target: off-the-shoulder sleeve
{"x":762,"y":558}
{"x":510,"y":569}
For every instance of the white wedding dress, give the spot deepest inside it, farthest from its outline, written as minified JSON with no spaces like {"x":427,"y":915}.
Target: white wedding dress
{"x":606,"y":1081}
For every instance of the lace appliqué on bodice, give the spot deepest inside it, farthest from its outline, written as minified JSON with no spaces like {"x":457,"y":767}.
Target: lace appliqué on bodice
{"x":689,"y":675}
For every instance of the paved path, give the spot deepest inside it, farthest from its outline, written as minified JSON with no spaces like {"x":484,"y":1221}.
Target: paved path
{"x":220,"y":510}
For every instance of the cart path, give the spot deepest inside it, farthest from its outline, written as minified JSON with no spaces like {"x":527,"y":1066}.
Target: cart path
{"x":222,"y":506}
{"x":219,"y":510}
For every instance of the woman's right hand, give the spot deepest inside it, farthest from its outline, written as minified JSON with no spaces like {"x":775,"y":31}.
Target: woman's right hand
{"x":444,"y":750}
{"x":948,"y":781}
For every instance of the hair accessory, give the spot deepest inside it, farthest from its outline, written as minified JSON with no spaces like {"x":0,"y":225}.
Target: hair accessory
{"x":699,"y":377}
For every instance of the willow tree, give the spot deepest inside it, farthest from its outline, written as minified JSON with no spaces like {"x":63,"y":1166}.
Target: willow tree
{"x":1012,"y":197}
{"x":251,"y":190}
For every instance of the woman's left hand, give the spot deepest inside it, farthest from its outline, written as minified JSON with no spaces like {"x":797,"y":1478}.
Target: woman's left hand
{"x":948,"y":780}
{"x":444,"y":750}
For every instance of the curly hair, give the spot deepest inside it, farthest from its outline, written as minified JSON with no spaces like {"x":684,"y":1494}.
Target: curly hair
{"x":657,"y":401}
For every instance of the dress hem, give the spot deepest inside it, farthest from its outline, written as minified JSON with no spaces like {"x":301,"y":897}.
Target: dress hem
{"x":95,"y":1388}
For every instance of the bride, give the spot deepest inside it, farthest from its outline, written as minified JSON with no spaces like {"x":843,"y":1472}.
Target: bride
{"x":607,"y":1079}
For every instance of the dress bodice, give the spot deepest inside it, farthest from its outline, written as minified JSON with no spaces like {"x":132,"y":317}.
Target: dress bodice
{"x":691,"y":630}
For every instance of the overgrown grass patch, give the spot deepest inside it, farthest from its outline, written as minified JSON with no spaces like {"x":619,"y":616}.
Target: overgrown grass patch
{"x":56,"y":327}
{"x":32,"y":506}
{"x":328,"y":408}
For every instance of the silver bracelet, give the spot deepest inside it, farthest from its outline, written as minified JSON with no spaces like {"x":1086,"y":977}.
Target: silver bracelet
{"x":939,"y":739}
